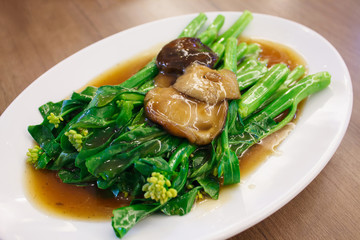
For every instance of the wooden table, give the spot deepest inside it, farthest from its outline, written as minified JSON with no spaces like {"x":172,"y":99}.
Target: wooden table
{"x":37,"y":34}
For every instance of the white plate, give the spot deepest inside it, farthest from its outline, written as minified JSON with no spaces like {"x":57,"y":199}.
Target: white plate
{"x":304,"y":153}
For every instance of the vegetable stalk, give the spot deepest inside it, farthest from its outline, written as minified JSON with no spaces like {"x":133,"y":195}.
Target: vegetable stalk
{"x":263,"y":89}
{"x":237,"y":28}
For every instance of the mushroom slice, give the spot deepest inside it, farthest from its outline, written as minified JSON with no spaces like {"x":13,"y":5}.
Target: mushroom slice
{"x":208,"y":85}
{"x":186,"y":117}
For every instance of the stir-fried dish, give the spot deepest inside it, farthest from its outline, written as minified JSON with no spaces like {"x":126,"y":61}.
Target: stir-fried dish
{"x":164,"y":146}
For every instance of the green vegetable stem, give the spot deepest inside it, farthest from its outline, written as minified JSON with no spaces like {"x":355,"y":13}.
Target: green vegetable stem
{"x":207,"y":37}
{"x":263,"y":89}
{"x":230,"y":58}
{"x":237,"y":28}
{"x":294,"y":76}
{"x":194,"y":26}
{"x":250,"y":76}
{"x":241,"y":50}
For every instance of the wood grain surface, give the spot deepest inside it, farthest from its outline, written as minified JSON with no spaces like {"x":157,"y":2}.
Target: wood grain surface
{"x":37,"y":34}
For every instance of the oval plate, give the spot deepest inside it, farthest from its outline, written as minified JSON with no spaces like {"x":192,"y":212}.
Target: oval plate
{"x":304,"y":153}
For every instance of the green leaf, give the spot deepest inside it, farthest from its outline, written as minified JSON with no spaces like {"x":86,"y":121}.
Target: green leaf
{"x":235,"y":122}
{"x":125,"y":114}
{"x":229,"y":166}
{"x":98,"y":138}
{"x":70,"y":107}
{"x":105,"y":95}
{"x":86,"y":95}
{"x":139,"y":118}
{"x":181,"y":205}
{"x":126,"y":217}
{"x":97,"y":141}
{"x":105,"y":162}
{"x":50,"y":107}
{"x":64,"y":159}
{"x":229,"y":163}
{"x":116,"y":158}
{"x":74,"y":176}
{"x":139,"y":134}
{"x":96,"y":117}
{"x":258,"y":128}
{"x":180,"y":180}
{"x":129,"y":181}
{"x":44,"y":137}
{"x":208,"y":166}
{"x":66,"y":144}
{"x":181,"y":154}
{"x":253,"y":132}
{"x":148,"y":165}
{"x":43,"y":161}
{"x":199,"y":157}
{"x":211,"y":185}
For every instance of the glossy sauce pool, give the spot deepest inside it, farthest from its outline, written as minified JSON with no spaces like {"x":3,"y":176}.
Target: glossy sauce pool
{"x":46,"y":191}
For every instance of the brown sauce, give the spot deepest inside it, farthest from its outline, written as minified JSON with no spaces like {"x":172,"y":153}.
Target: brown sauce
{"x":121,"y":71}
{"x":47,"y":192}
{"x":277,"y":53}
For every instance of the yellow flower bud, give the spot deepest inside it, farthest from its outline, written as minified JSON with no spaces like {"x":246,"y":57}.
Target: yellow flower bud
{"x":156,"y":188}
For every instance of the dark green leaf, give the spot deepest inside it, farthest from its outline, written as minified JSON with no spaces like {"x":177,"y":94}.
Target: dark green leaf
{"x":105,"y":95}
{"x":208,"y":166}
{"x":115,"y":159}
{"x":125,"y":114}
{"x":43,"y":161}
{"x":74,"y":176}
{"x":66,"y":144}
{"x":139,"y":134}
{"x":126,"y":217}
{"x":44,"y":137}
{"x":180,"y":180}
{"x":96,"y":117}
{"x":235,"y":125}
{"x":229,"y":167}
{"x":148,"y":165}
{"x":211,"y":185}
{"x":181,"y":205}
{"x":50,"y":107}
{"x":71,"y":107}
{"x":181,"y":154}
{"x":129,"y":181}
{"x":63,"y":160}
{"x":86,"y":95}
{"x":139,"y":117}
{"x":253,"y":131}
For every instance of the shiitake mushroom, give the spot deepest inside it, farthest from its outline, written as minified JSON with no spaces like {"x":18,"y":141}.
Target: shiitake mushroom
{"x":208,"y":85}
{"x":178,"y":54}
{"x":184,"y":116}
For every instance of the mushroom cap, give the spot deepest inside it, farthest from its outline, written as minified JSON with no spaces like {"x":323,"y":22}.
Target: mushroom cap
{"x":184,"y":116}
{"x":175,"y":56}
{"x":208,"y":85}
